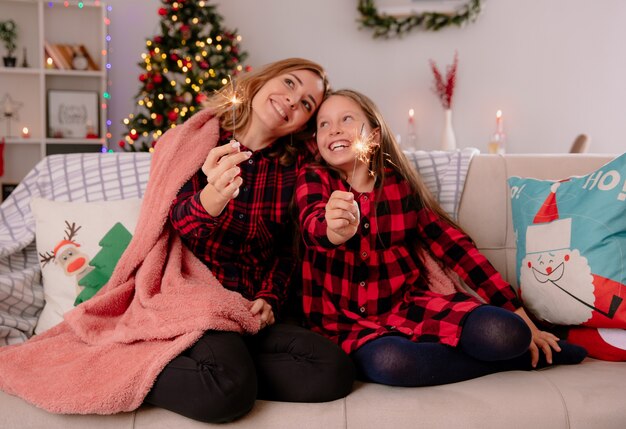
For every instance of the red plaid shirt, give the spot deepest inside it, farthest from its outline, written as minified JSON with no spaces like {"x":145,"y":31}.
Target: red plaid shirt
{"x":249,"y":246}
{"x":371,"y":285}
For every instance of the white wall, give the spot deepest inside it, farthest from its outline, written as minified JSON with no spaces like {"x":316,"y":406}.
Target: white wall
{"x":556,"y":68}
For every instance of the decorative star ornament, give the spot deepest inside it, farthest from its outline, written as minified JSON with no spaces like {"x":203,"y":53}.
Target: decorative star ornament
{"x":9,"y":108}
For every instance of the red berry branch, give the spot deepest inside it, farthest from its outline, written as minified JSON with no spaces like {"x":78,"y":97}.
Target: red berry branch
{"x":444,"y":88}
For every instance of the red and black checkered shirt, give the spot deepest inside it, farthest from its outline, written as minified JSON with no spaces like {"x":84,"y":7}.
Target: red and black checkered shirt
{"x":371,"y":285}
{"x":249,"y":246}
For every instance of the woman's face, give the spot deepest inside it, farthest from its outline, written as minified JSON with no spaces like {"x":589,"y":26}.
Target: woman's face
{"x":340,"y":121}
{"x":286,"y":102}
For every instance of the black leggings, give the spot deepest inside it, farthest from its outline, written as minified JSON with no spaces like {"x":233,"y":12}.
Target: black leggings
{"x":492,"y":340}
{"x":218,"y":378}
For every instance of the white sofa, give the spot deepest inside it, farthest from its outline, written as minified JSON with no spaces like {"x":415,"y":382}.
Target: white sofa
{"x":589,"y":395}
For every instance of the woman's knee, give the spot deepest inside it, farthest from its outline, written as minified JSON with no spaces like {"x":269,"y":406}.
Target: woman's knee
{"x":223,"y":406}
{"x":296,"y":364}
{"x":213,"y":381}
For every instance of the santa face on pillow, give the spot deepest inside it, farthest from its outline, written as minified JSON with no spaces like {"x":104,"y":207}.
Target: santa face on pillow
{"x":556,"y":281}
{"x":558,"y":286}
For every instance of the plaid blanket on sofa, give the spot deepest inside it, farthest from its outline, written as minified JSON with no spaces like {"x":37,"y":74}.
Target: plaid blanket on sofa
{"x":444,"y":174}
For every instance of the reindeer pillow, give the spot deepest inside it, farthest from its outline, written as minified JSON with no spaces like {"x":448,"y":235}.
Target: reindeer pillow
{"x":78,"y":244}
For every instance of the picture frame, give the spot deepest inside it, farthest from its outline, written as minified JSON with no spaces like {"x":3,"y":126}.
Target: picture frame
{"x":400,"y":8}
{"x":73,"y":114}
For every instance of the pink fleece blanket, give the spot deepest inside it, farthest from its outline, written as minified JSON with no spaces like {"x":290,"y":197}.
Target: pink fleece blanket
{"x":105,"y":356}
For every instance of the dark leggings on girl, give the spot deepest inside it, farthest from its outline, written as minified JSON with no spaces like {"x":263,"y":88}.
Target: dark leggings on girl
{"x":219,"y":378}
{"x":492,"y":340}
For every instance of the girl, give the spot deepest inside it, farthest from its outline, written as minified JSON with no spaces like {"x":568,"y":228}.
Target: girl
{"x":234,"y":216}
{"x":377,"y":243}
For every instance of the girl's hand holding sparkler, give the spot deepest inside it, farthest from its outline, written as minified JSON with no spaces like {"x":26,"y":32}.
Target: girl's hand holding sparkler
{"x":222,"y":172}
{"x":342,"y":217}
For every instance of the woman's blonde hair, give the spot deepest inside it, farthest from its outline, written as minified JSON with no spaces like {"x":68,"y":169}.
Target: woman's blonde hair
{"x":246,"y":87}
{"x":389,"y":155}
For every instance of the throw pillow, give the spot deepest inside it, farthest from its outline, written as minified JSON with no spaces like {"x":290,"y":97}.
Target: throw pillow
{"x":571,"y":246}
{"x":79,"y":245}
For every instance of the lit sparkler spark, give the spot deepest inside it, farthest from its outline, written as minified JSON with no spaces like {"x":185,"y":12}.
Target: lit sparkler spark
{"x":364,"y":146}
{"x":233,"y":100}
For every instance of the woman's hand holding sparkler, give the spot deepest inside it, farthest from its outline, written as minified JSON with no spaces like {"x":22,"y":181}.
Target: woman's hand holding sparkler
{"x":342,"y":217}
{"x":222,"y":171}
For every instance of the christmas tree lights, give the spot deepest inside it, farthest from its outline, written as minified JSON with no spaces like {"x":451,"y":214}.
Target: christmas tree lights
{"x":192,"y":56}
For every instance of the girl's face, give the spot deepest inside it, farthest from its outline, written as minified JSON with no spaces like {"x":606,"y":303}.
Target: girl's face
{"x":286,"y":102}
{"x":339,"y":123}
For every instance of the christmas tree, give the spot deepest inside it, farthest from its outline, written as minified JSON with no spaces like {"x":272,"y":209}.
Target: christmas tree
{"x":113,"y":244}
{"x":191,"y":57}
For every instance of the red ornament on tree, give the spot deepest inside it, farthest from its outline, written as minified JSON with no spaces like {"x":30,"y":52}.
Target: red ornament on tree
{"x":204,"y":65}
{"x":200,"y":98}
{"x":157,"y":78}
{"x":158,"y":120}
{"x":162,"y":11}
{"x":174,"y":57}
{"x":172,"y":115}
{"x":158,"y":39}
{"x":143,"y":77}
{"x":121,"y":143}
{"x":248,"y":68}
{"x":133,"y":135}
{"x":185,"y":32}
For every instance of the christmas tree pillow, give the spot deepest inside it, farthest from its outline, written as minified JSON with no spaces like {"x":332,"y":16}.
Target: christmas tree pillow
{"x":571,"y":253}
{"x":79,"y":245}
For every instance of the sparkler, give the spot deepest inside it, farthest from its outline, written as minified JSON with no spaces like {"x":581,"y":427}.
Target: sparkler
{"x":363,"y":146}
{"x":234,"y":101}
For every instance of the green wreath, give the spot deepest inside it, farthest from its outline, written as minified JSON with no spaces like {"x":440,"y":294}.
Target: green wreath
{"x":390,"y":26}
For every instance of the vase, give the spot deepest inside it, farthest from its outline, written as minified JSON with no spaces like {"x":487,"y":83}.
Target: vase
{"x":448,"y":139}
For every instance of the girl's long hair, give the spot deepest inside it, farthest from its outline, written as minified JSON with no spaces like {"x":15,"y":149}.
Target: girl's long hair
{"x":389,"y":155}
{"x":246,"y":87}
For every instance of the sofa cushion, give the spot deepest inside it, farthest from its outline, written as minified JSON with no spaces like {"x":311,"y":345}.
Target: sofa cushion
{"x":444,"y":174}
{"x":571,"y":246}
{"x":79,"y":244}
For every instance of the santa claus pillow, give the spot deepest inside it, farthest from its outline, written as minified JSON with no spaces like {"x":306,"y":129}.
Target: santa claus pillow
{"x":571,"y":249}
{"x":79,"y":245}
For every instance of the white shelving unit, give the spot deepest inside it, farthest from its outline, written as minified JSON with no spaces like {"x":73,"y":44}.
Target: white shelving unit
{"x":56,"y":22}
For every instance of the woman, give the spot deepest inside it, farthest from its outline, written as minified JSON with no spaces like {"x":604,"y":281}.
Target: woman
{"x":378,"y":247}
{"x":164,"y":330}
{"x":234,"y":216}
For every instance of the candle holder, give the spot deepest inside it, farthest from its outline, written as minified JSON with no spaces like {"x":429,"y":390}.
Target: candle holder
{"x":411,"y":135}
{"x":497,"y":142}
